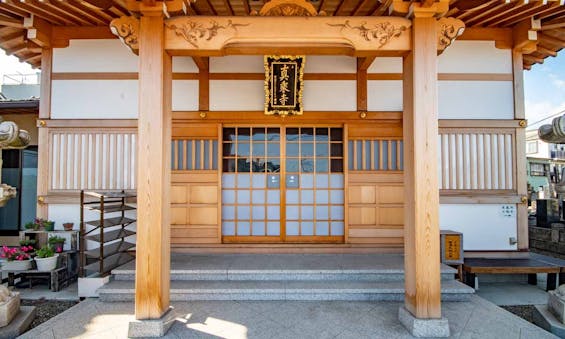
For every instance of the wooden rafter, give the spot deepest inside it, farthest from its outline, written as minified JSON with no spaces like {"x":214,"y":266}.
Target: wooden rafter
{"x":382,"y":8}
{"x":551,"y":40}
{"x":511,"y":18}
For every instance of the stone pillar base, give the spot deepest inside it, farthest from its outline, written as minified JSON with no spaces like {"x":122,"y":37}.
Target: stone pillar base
{"x":152,"y":328}
{"x":431,"y":328}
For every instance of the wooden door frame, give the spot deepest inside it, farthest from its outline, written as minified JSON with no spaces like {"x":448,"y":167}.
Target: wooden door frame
{"x":282,"y":239}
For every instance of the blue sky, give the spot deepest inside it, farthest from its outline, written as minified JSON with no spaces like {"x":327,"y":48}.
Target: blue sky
{"x":544,"y":90}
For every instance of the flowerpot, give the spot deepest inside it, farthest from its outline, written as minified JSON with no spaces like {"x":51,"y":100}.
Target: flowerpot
{"x":46,"y":264}
{"x":68,"y":226}
{"x":58,"y":246}
{"x":17,"y":265}
{"x":49,"y":227}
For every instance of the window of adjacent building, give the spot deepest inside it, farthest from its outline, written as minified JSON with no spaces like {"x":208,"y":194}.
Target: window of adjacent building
{"x":539,"y":169}
{"x":20,"y":171}
{"x":532,"y":147}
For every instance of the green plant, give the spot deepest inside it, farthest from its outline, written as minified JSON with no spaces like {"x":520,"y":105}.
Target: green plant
{"x":38,"y":223}
{"x":56,"y":240}
{"x":45,"y":252}
{"x":49,"y":225}
{"x":27,"y":242}
{"x":31,"y":226}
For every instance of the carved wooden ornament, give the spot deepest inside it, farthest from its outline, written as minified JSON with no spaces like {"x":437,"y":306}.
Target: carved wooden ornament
{"x":288,"y":8}
{"x":448,"y":30}
{"x":213,"y":36}
{"x":126,"y":28}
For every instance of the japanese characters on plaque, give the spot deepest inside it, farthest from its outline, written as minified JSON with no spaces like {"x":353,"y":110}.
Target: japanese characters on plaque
{"x":452,"y":247}
{"x":284,"y":84}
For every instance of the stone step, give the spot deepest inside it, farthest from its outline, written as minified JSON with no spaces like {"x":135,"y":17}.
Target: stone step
{"x":117,"y":290}
{"x":375,"y":275}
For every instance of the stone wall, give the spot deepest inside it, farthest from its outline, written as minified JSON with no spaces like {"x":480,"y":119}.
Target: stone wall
{"x":550,"y":241}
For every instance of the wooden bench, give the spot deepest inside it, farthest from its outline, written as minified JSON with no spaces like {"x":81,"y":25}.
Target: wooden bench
{"x":531,"y":266}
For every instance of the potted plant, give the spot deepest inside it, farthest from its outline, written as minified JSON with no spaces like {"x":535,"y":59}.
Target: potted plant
{"x":46,"y":259}
{"x":39,"y":223}
{"x":28,"y":245}
{"x":48,"y":225}
{"x":57,"y":243}
{"x":16,"y":259}
{"x":68,"y":226}
{"x":31,"y":226}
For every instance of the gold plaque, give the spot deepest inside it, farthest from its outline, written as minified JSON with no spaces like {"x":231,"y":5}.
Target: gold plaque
{"x":452,"y":247}
{"x":284,"y":84}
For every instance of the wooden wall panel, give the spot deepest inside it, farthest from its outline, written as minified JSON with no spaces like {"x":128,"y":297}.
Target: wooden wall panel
{"x":376,"y":210}
{"x":194,"y":208}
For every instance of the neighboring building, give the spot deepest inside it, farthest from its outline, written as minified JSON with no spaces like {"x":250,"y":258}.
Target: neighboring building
{"x":537,"y":148}
{"x":20,"y":104}
{"x":395,"y":142}
{"x":20,"y":86}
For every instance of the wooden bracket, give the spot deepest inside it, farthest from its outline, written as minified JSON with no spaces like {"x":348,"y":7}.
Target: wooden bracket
{"x":39,"y":31}
{"x":525,"y":35}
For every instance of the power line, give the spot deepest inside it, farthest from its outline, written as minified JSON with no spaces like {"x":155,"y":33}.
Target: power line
{"x":550,"y":116}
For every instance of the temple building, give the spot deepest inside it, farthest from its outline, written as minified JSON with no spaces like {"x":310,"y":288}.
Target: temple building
{"x":289,"y":126}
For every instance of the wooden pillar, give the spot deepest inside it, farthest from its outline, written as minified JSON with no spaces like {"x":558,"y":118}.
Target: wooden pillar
{"x":520,"y":156}
{"x":421,"y":192}
{"x":154,"y":170}
{"x":43,"y":142}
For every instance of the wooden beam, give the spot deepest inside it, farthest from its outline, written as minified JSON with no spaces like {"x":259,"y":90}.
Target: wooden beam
{"x":203,"y":83}
{"x":365,"y":63}
{"x":525,"y":35}
{"x":307,"y":35}
{"x":421,"y":194}
{"x":519,"y":171}
{"x":10,"y":22}
{"x":547,"y":51}
{"x":551,"y":40}
{"x":43,"y":133}
{"x":152,"y":272}
{"x":553,"y":24}
{"x":39,"y":31}
{"x":63,"y":34}
{"x":501,"y":36}
{"x":362,"y":84}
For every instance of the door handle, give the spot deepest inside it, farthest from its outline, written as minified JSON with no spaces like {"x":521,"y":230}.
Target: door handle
{"x":292,"y":181}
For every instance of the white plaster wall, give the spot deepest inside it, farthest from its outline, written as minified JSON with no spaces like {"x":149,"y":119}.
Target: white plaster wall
{"x":330,"y":64}
{"x":386,"y":65}
{"x":184,"y":64}
{"x":384,"y":95}
{"x":108,"y":55}
{"x":237,"y":64}
{"x":323,"y":95}
{"x":185,"y":95}
{"x":484,"y":226}
{"x":94,"y":99}
{"x":237,"y":95}
{"x":475,"y":57}
{"x":476,"y":100}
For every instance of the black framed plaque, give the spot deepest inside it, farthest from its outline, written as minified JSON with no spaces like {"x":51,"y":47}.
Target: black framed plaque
{"x":284,"y":83}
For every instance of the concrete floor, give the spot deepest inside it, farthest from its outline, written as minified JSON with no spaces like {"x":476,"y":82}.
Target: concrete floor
{"x":283,"y":319}
{"x":42,"y":291}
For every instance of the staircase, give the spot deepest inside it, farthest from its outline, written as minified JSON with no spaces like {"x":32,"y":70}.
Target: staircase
{"x":284,"y":277}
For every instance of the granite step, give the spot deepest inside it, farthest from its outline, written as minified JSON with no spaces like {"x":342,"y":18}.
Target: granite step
{"x":236,"y":274}
{"x":120,"y":290}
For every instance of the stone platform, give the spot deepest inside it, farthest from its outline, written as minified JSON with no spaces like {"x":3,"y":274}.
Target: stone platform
{"x":363,"y":277}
